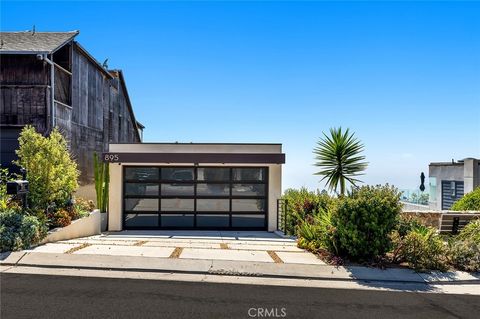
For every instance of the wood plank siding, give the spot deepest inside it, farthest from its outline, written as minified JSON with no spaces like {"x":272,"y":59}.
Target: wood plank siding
{"x":92,"y":106}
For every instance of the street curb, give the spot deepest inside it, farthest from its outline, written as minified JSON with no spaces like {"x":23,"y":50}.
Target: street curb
{"x":231,"y":268}
{"x":239,"y":274}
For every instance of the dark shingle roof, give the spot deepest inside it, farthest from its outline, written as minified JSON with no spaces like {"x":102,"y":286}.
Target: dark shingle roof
{"x":33,"y":42}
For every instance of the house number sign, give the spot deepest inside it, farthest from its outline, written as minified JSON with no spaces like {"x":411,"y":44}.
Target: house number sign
{"x":109,"y":157}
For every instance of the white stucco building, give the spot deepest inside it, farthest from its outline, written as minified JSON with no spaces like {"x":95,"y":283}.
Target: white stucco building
{"x":194,"y":186}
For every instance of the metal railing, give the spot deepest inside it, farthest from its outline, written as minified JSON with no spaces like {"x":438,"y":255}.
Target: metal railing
{"x":284,"y":222}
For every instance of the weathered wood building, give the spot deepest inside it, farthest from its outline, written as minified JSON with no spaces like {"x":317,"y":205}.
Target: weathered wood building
{"x":47,"y":79}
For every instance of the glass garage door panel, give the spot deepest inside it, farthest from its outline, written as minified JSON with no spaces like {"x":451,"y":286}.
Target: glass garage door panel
{"x":248,"y":205}
{"x":141,"y":189}
{"x":177,"y":205}
{"x":248,"y":190}
{"x":213,"y":174}
{"x":176,"y":189}
{"x":178,"y":173}
{"x":141,"y":220}
{"x":141,"y":204}
{"x":210,"y":204}
{"x":248,"y":221}
{"x":213,"y":220}
{"x":180,"y":220}
{"x":213,"y":189}
{"x":142,"y":173}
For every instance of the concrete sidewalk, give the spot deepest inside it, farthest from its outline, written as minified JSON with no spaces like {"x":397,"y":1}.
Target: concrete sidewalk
{"x":230,"y":268}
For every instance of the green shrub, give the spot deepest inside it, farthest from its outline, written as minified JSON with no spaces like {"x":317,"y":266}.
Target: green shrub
{"x":464,"y":254}
{"x":423,"y":249}
{"x":59,"y":218}
{"x":470,"y":201}
{"x":364,"y":220}
{"x":471,"y":231}
{"x":51,"y":171}
{"x":303,"y":203}
{"x":464,"y":249}
{"x":317,"y":232}
{"x":406,"y":224}
{"x":19,"y":231}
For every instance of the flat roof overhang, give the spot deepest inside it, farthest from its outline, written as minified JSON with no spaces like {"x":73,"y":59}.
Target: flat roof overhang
{"x":196,"y":158}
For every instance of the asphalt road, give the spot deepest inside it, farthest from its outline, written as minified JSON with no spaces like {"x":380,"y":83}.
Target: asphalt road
{"x":39,"y":296}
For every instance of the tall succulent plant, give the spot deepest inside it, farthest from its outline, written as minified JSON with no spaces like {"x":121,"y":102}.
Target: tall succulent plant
{"x":102,"y":180}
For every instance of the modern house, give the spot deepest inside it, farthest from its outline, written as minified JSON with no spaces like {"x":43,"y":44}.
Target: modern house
{"x":194,"y":186}
{"x":449,"y":181}
{"x":48,"y":80}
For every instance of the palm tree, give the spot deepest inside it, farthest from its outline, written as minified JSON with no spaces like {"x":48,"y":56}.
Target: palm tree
{"x":338,"y":156}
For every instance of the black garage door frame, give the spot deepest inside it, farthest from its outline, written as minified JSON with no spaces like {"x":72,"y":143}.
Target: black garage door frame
{"x":195,"y":182}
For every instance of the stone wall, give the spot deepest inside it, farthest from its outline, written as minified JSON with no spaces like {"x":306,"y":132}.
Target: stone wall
{"x":432,"y":217}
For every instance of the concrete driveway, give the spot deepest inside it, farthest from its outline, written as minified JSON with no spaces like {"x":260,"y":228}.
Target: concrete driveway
{"x":251,"y":246}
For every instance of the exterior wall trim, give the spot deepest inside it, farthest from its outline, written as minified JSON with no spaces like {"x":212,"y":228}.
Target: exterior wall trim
{"x":234,"y":158}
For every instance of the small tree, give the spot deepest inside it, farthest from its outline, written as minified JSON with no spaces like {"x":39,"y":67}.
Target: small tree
{"x":51,"y":171}
{"x":338,"y":156}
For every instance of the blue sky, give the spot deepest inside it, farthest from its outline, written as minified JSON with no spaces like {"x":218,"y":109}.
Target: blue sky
{"x":404,"y":76}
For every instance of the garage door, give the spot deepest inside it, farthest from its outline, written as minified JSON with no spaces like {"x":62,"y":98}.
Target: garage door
{"x":195,"y":197}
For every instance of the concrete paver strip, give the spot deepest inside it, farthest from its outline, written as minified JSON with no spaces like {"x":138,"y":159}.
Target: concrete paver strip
{"x":226,"y":254}
{"x":57,"y":248}
{"x":177,"y":244}
{"x":140,"y":243}
{"x":76,"y":248}
{"x":265,"y":247}
{"x":176,"y":252}
{"x":299,"y":258}
{"x":117,"y":250}
{"x":275,"y":257}
{"x":99,"y":242}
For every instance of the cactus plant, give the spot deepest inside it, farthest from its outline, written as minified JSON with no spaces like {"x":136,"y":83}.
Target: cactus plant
{"x":102,"y":179}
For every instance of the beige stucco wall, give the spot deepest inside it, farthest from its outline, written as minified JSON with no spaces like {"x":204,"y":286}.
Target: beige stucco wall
{"x":116,"y":191}
{"x":83,"y":227}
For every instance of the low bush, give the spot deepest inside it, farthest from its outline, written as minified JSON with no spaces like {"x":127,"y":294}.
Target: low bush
{"x":19,"y":231}
{"x":364,"y":220}
{"x":318,"y":232}
{"x":470,"y":201}
{"x":422,"y":248}
{"x":303,"y":203}
{"x":83,"y":205}
{"x":471,"y":231}
{"x":464,"y":249}
{"x":59,"y":218}
{"x":464,"y":254}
